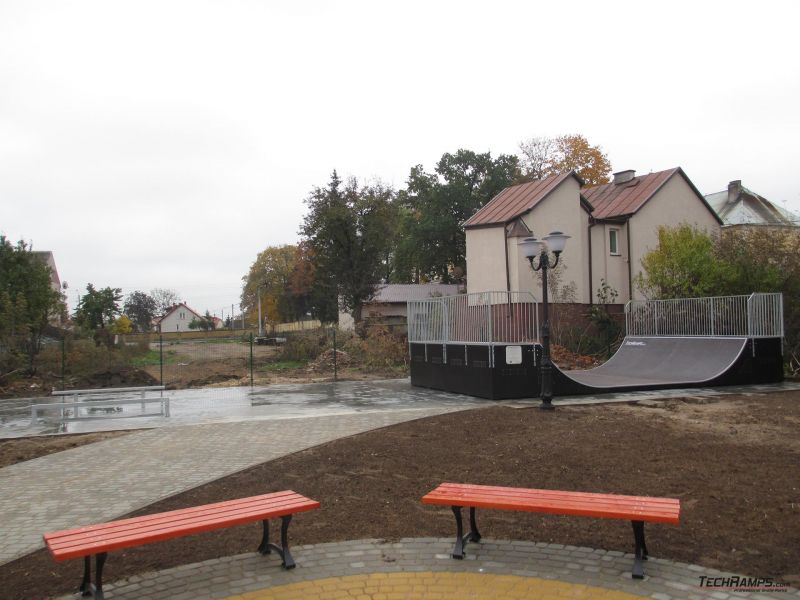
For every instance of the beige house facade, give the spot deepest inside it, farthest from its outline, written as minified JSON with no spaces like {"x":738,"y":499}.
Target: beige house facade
{"x":612,"y":227}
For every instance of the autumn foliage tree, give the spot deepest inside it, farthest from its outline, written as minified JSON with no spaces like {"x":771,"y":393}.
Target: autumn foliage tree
{"x":542,"y":157}
{"x":273,"y":272}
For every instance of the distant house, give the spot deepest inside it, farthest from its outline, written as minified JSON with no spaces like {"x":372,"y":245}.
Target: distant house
{"x":612,"y":226}
{"x":739,"y":207}
{"x":388,"y":305}
{"x":177,"y":318}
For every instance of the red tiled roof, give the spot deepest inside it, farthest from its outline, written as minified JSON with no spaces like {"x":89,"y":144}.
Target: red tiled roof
{"x":616,"y":200}
{"x":516,"y":200}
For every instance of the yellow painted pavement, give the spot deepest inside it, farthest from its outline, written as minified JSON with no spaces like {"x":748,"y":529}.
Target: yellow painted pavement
{"x":433,"y":586}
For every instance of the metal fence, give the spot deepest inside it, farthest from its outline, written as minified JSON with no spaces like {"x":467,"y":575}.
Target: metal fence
{"x":756,"y":315}
{"x":482,"y":318}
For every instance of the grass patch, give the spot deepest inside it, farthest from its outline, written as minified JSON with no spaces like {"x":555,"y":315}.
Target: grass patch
{"x":153,"y":357}
{"x":284,"y":365}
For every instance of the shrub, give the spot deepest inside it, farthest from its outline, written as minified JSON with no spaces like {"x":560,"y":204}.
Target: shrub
{"x":306,"y":345}
{"x":379,"y":348}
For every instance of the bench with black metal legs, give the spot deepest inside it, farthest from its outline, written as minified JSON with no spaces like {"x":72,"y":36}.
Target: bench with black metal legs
{"x":98,"y":540}
{"x":636,"y":509}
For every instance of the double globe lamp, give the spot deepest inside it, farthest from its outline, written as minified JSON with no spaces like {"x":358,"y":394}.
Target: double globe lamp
{"x":531,"y":249}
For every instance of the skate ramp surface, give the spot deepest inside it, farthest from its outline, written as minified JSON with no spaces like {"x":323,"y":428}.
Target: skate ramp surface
{"x":653,"y":362}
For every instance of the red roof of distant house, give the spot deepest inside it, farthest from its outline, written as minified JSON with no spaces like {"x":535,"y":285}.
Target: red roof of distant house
{"x":516,"y":200}
{"x":616,"y":200}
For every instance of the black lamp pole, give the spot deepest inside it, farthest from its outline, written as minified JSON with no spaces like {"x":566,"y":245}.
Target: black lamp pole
{"x":531,"y":247}
{"x":547,"y":364}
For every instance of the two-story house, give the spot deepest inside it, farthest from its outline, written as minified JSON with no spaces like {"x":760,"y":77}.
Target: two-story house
{"x":612,"y":226}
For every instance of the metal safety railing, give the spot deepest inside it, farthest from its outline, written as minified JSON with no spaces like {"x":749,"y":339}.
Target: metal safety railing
{"x":480,"y":318}
{"x":756,"y":315}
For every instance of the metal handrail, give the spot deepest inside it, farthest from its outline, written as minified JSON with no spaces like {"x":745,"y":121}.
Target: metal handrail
{"x":756,"y":315}
{"x":477,"y":318}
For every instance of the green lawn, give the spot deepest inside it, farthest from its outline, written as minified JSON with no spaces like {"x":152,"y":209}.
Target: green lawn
{"x":284,"y":365}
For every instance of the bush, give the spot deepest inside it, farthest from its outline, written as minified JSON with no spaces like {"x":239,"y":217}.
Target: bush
{"x":378,"y":348}
{"x":306,"y":345}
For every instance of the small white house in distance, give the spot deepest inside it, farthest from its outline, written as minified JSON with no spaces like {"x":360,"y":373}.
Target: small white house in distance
{"x":389,"y":304}
{"x":178,"y":318}
{"x":739,"y":207}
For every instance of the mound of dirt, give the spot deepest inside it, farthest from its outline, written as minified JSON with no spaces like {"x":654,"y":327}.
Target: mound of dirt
{"x":324,"y":362}
{"x":129,"y":377}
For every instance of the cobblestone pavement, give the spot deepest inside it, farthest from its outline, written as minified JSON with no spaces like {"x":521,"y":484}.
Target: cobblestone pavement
{"x":105,"y":480}
{"x":422,"y":568}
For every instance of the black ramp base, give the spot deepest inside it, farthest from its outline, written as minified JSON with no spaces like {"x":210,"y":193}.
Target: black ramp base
{"x":643,"y":363}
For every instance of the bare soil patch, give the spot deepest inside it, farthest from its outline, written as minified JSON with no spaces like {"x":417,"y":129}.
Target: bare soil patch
{"x":21,"y":449}
{"x":733,"y":464}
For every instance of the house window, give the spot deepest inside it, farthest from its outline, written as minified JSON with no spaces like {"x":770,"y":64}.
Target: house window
{"x":613,"y":242}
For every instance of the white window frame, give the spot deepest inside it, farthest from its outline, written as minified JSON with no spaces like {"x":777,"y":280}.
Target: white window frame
{"x":613,"y":249}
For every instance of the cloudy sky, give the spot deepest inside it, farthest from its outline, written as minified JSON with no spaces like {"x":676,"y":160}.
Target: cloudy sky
{"x":164,"y":144}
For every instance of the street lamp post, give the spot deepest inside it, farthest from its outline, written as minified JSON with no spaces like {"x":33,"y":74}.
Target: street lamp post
{"x":531,"y":248}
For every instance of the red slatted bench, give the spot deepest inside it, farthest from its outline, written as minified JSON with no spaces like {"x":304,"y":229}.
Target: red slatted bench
{"x":637,"y":509}
{"x":98,"y":540}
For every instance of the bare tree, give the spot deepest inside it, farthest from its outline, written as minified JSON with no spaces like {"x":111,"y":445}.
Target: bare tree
{"x":165,"y":299}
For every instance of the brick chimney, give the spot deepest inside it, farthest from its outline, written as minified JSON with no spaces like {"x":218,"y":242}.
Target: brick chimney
{"x":734,"y":190}
{"x":624,"y":176}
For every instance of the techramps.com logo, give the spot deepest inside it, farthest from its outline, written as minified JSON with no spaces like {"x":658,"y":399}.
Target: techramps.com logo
{"x":736,"y":583}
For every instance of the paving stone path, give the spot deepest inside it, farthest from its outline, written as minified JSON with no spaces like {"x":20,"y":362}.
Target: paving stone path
{"x":422,"y":568}
{"x":108,"y":479}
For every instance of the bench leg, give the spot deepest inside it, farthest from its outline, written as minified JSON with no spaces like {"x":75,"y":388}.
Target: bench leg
{"x":86,"y":583}
{"x":641,"y":550}
{"x":461,"y":539}
{"x":96,"y":590}
{"x":266,"y":547}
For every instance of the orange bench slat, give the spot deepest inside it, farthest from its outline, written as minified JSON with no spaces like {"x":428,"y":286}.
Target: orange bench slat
{"x":89,"y":542}
{"x":221,"y":510}
{"x":125,"y":533}
{"x":610,"y":506}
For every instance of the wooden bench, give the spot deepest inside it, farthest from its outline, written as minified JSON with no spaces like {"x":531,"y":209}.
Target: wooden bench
{"x":98,"y":540}
{"x":637,"y":509}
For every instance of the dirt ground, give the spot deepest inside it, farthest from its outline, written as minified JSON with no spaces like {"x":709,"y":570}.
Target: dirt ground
{"x":209,"y":364}
{"x":733,"y":463}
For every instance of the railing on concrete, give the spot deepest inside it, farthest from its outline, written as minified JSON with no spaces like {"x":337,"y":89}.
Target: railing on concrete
{"x":481,"y":318}
{"x":756,"y":315}
{"x":108,"y":404}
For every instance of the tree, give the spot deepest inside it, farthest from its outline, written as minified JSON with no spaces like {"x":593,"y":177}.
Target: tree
{"x":432,"y":243}
{"x":543,"y":157}
{"x":206,"y":322}
{"x":141,"y":310}
{"x":121,"y":324}
{"x":682,"y":266}
{"x":164,"y":299}
{"x":272,"y":272}
{"x":348,"y":229}
{"x":762,"y":260}
{"x":98,"y":308}
{"x":27,"y":301}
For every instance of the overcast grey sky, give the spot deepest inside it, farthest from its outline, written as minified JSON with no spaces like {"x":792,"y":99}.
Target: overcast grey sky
{"x":164,"y":144}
